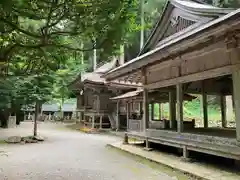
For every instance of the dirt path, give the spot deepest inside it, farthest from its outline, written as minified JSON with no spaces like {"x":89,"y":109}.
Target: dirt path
{"x":69,"y":155}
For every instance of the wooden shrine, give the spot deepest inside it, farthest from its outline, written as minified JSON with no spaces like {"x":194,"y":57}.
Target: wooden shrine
{"x":194,"y":49}
{"x":94,"y":107}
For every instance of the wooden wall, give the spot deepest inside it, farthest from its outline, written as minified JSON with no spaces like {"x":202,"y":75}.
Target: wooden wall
{"x":80,"y":101}
{"x":191,"y":66}
{"x":105,"y":102}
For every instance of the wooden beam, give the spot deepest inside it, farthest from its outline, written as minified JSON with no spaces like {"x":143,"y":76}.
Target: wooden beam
{"x":204,"y":106}
{"x":226,"y":70}
{"x":223,"y":110}
{"x":180,"y":107}
{"x":236,"y":90}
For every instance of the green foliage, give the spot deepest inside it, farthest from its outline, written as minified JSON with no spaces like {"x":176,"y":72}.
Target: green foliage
{"x":50,"y":27}
{"x":193,"y":109}
{"x":45,"y":44}
{"x":152,"y":11}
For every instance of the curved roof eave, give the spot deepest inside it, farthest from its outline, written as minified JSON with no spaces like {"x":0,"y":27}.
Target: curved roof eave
{"x":200,"y":9}
{"x":191,"y":7}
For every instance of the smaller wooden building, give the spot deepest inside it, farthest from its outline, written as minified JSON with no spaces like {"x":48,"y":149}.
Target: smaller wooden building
{"x":94,"y":106}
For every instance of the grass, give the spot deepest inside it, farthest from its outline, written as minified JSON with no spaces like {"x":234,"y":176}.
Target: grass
{"x":192,"y":110}
{"x":156,"y":166}
{"x":2,"y":142}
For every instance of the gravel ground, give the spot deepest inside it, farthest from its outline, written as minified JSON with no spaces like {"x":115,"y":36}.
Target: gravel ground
{"x":70,"y":155}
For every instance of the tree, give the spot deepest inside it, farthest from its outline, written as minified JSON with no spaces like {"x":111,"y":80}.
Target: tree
{"x":152,"y":11}
{"x":39,"y":38}
{"x":45,"y":25}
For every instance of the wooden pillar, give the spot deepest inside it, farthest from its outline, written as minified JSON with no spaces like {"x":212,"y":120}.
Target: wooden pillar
{"x":100,"y":124}
{"x":223,"y":110}
{"x":152,"y":111}
{"x":93,"y":121}
{"x":125,"y":139}
{"x":80,"y":116}
{"x":185,"y":153}
{"x":236,"y":95}
{"x":145,"y":110}
{"x":160,"y":111}
{"x":147,"y":145}
{"x":180,"y":107}
{"x":145,"y":102}
{"x":117,"y":116}
{"x":204,"y":106}
{"x":172,"y":109}
{"x":127,"y":111}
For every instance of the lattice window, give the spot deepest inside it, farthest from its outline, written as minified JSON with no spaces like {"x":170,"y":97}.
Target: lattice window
{"x":177,"y":24}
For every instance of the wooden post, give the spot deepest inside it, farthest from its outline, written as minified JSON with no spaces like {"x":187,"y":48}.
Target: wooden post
{"x":185,"y":153}
{"x":147,"y":146}
{"x":117,"y":114}
{"x":141,"y":115}
{"x":172,"y":109}
{"x":146,"y":110}
{"x":127,"y":111}
{"x":93,"y":122}
{"x":160,"y":111}
{"x":236,"y":95}
{"x":100,"y":125}
{"x":180,"y":107}
{"x":152,"y":111}
{"x":204,"y":106}
{"x":125,"y":139}
{"x":223,"y":110}
{"x":145,"y":101}
{"x":79,"y":115}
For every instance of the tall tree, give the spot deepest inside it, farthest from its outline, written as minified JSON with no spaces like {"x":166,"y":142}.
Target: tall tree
{"x":45,"y":25}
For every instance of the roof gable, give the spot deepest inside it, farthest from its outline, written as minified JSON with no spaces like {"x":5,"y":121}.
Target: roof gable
{"x":181,"y":15}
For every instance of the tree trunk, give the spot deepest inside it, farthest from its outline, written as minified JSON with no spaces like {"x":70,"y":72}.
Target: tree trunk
{"x":61,"y":110}
{"x":142,"y":25}
{"x":37,"y":108}
{"x":4,"y":118}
